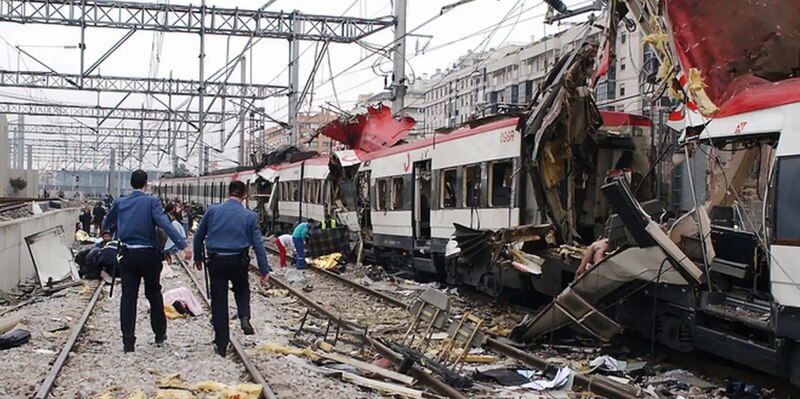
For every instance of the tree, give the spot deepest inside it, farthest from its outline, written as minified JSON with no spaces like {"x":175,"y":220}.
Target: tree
{"x":18,"y":184}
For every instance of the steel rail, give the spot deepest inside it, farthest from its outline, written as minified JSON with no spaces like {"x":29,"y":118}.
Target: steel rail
{"x":266,"y":391}
{"x":598,"y":385}
{"x":416,"y":372}
{"x":49,"y":381}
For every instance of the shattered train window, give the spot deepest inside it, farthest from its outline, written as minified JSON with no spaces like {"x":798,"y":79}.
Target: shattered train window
{"x":500,"y":183}
{"x":472,"y":186}
{"x":380,"y":195}
{"x":448,"y":194}
{"x":397,"y":193}
{"x":787,"y":202}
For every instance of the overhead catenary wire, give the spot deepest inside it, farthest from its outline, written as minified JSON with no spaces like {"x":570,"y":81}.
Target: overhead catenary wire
{"x":350,"y":69}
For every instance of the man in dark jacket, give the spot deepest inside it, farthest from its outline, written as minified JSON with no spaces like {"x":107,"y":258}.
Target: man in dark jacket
{"x":86,"y":219}
{"x":99,"y":214}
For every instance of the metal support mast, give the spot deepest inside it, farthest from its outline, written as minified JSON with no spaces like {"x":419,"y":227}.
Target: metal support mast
{"x":201,"y":100}
{"x":294,"y":81}
{"x":242,"y":114}
{"x":399,"y":57}
{"x":20,"y":144}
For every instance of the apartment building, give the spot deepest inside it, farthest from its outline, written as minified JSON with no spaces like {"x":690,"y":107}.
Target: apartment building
{"x":481,"y":84}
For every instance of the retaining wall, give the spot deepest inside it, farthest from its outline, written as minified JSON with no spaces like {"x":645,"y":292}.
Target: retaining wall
{"x":15,"y":260}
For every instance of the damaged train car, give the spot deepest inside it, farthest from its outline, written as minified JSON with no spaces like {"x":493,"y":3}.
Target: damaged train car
{"x":721,"y":278}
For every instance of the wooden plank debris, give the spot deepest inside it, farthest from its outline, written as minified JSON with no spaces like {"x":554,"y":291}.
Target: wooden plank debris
{"x":361,"y":365}
{"x":382,"y":386}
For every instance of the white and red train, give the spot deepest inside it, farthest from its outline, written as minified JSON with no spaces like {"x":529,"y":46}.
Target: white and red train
{"x":402,"y":201}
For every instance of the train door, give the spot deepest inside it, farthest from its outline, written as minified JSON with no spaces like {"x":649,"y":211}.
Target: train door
{"x":421,"y":212}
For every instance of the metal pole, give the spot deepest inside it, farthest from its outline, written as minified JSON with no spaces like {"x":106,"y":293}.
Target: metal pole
{"x":20,"y":144}
{"x":399,"y":58}
{"x":30,"y":157}
{"x":112,"y":166}
{"x":294,"y":81}
{"x":242,"y":114}
{"x":201,"y":102}
{"x":141,"y":143}
{"x":83,"y":40}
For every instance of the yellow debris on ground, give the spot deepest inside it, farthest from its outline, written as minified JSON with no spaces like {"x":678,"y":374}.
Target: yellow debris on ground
{"x":327,"y":262}
{"x":171,"y":313}
{"x":172,"y":381}
{"x":500,"y":331}
{"x":241,"y":391}
{"x":274,"y":347}
{"x":81,"y":236}
{"x":174,"y":394}
{"x":137,"y":394}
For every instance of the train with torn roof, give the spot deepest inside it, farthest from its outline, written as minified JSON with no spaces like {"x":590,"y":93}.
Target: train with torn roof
{"x":720,"y":277}
{"x":504,"y":202}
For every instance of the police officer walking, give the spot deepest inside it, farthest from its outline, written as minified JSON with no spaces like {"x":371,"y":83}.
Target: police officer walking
{"x":229,"y":230}
{"x":135,"y":218}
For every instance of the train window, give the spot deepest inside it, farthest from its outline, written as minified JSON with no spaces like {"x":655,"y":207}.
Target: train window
{"x":472,"y":186}
{"x":397,"y":193}
{"x":500,"y":183}
{"x":381,"y":194}
{"x":222,"y":192}
{"x":295,"y":191}
{"x":787,"y":203}
{"x":316,"y":194}
{"x":447,"y":198}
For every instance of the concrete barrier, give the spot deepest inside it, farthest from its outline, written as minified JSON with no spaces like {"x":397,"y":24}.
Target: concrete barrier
{"x":15,"y":260}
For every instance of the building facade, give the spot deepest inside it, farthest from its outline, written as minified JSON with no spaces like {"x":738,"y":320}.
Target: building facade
{"x":277,"y":136}
{"x":482,"y":84}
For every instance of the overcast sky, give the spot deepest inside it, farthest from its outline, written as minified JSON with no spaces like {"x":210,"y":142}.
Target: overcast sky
{"x":469,"y":27}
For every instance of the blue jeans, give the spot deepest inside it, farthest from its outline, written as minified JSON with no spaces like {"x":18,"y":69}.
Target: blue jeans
{"x":300,"y":253}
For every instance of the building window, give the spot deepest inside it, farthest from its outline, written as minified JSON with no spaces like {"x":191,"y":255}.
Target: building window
{"x":623,"y":37}
{"x":500,"y":183}
{"x":621,"y":89}
{"x":448,"y":192}
{"x":397,"y":193}
{"x":622,"y":63}
{"x":472,"y":186}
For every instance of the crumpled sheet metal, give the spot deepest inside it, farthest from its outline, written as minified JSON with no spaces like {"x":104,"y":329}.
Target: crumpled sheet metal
{"x":617,"y":269}
{"x":375,"y":130}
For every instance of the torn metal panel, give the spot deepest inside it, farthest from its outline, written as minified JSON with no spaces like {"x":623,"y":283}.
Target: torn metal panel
{"x":648,"y":233}
{"x":51,"y":257}
{"x":559,"y":134}
{"x":375,"y":130}
{"x":609,"y":275}
{"x":527,"y":233}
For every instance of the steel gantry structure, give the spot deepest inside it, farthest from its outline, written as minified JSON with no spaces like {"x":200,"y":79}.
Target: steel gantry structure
{"x":177,"y":87}
{"x":201,"y":20}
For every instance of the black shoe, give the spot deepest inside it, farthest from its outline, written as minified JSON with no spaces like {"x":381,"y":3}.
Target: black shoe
{"x":247,"y":328}
{"x":160,"y":339}
{"x":219,"y":351}
{"x":127,"y":348}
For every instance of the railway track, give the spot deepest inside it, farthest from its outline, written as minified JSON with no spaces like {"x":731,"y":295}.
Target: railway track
{"x":252,"y":370}
{"x":75,"y":332}
{"x":596,"y":384}
{"x":60,"y":375}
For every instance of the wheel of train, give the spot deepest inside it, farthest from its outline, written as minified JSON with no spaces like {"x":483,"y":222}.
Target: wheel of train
{"x":490,"y":285}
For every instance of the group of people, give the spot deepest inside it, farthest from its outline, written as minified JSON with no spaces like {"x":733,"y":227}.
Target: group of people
{"x":91,"y":220}
{"x":294,"y":244}
{"x":221,"y":245}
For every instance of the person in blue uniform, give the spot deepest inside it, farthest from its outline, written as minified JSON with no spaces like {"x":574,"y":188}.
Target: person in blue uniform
{"x":228,"y":231}
{"x":299,"y":236}
{"x":134,"y":218}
